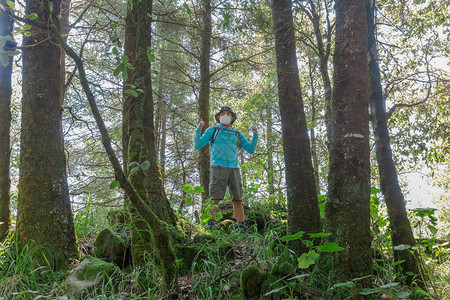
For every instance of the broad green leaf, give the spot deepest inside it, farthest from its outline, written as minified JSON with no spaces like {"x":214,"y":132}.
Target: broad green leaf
{"x":113,"y":25}
{"x":198,"y":190}
{"x":374,"y":190}
{"x":10,"y":4}
{"x":133,"y":164}
{"x":4,"y":60}
{"x":219,"y":216}
{"x":115,"y":51}
{"x":389,"y":285}
{"x":307,"y":259}
{"x":125,"y":59}
{"x":26,"y":27}
{"x":186,"y":188}
{"x":319,"y":235}
{"x":206,"y":217}
{"x":119,"y":69}
{"x":432,"y":229}
{"x":296,"y":236}
{"x":114,"y":184}
{"x":32,"y":16}
{"x":348,"y":284}
{"x":329,"y":247}
{"x":188,"y":10}
{"x":402,"y":247}
{"x":368,"y":291}
{"x":145,"y":165}
{"x":188,"y":200}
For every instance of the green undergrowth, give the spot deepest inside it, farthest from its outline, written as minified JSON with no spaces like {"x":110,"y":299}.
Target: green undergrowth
{"x":216,"y":266}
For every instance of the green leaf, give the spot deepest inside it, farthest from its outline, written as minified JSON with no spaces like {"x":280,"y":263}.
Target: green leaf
{"x":32,"y":17}
{"x":319,"y":235}
{"x":132,"y":92}
{"x":188,"y":10}
{"x":348,"y":284}
{"x":151,"y":57}
{"x":206,"y":217}
{"x":368,"y":291}
{"x":402,"y":247}
{"x":396,"y":263}
{"x":133,"y":164}
{"x":125,"y":59}
{"x":307,"y":259}
{"x":10,"y":4}
{"x":329,"y":247}
{"x":145,"y":165}
{"x":115,"y":51}
{"x":114,"y":184}
{"x":296,"y":236}
{"x":26,"y":27}
{"x":113,"y":25}
{"x":198,"y":190}
{"x":4,"y":60}
{"x":186,"y":188}
{"x":219,"y":216}
{"x":374,"y":190}
{"x":275,"y":291}
{"x":119,"y":69}
{"x":432,"y":229}
{"x":188,"y":200}
{"x":389,"y":285}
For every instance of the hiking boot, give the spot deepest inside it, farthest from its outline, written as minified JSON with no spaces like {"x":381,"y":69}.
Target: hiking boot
{"x":210,"y":224}
{"x":241,"y":227}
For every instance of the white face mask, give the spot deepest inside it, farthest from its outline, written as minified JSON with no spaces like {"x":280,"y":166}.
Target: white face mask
{"x":225,"y":119}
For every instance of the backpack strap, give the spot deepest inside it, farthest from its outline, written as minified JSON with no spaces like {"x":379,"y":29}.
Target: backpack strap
{"x":216,"y":131}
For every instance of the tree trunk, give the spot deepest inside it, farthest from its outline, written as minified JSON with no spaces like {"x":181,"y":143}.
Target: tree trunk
{"x":303,"y":207}
{"x":270,"y":168}
{"x":141,"y":135}
{"x":6,"y":26}
{"x":347,"y":213}
{"x":401,"y":231}
{"x":44,"y":213}
{"x":312,"y":132}
{"x":203,"y":97}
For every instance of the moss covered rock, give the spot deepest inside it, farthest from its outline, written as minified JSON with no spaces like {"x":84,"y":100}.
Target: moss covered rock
{"x":186,"y":255}
{"x":88,"y":275}
{"x":112,"y":247}
{"x":282,"y":268}
{"x":252,"y":280}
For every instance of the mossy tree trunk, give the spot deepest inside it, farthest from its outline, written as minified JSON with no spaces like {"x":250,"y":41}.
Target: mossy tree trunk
{"x":303,"y":206}
{"x":203,"y":96}
{"x":401,"y":231}
{"x":44,"y":212}
{"x":347,"y":213}
{"x":6,"y":26}
{"x":141,"y":144}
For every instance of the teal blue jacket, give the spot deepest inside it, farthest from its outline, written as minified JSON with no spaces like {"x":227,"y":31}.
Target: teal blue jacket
{"x":225,"y":147}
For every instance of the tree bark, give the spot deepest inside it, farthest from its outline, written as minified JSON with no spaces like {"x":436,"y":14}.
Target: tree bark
{"x":401,"y":231}
{"x":6,"y":26}
{"x":159,"y":229}
{"x":303,"y":208}
{"x":203,"y":97}
{"x":347,"y":213}
{"x":141,"y":130}
{"x":270,"y":168}
{"x":44,"y":213}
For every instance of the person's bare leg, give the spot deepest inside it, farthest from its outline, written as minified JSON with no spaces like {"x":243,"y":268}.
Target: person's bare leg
{"x":238,"y":210}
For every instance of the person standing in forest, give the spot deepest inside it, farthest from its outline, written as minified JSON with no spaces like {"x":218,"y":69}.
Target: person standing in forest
{"x":225,"y":142}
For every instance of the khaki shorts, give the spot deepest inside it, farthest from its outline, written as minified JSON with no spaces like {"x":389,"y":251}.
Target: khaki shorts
{"x":220,"y":178}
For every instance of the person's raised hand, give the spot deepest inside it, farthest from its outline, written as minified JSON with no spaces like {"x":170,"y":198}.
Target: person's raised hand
{"x":201,"y":124}
{"x":254,"y":129}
